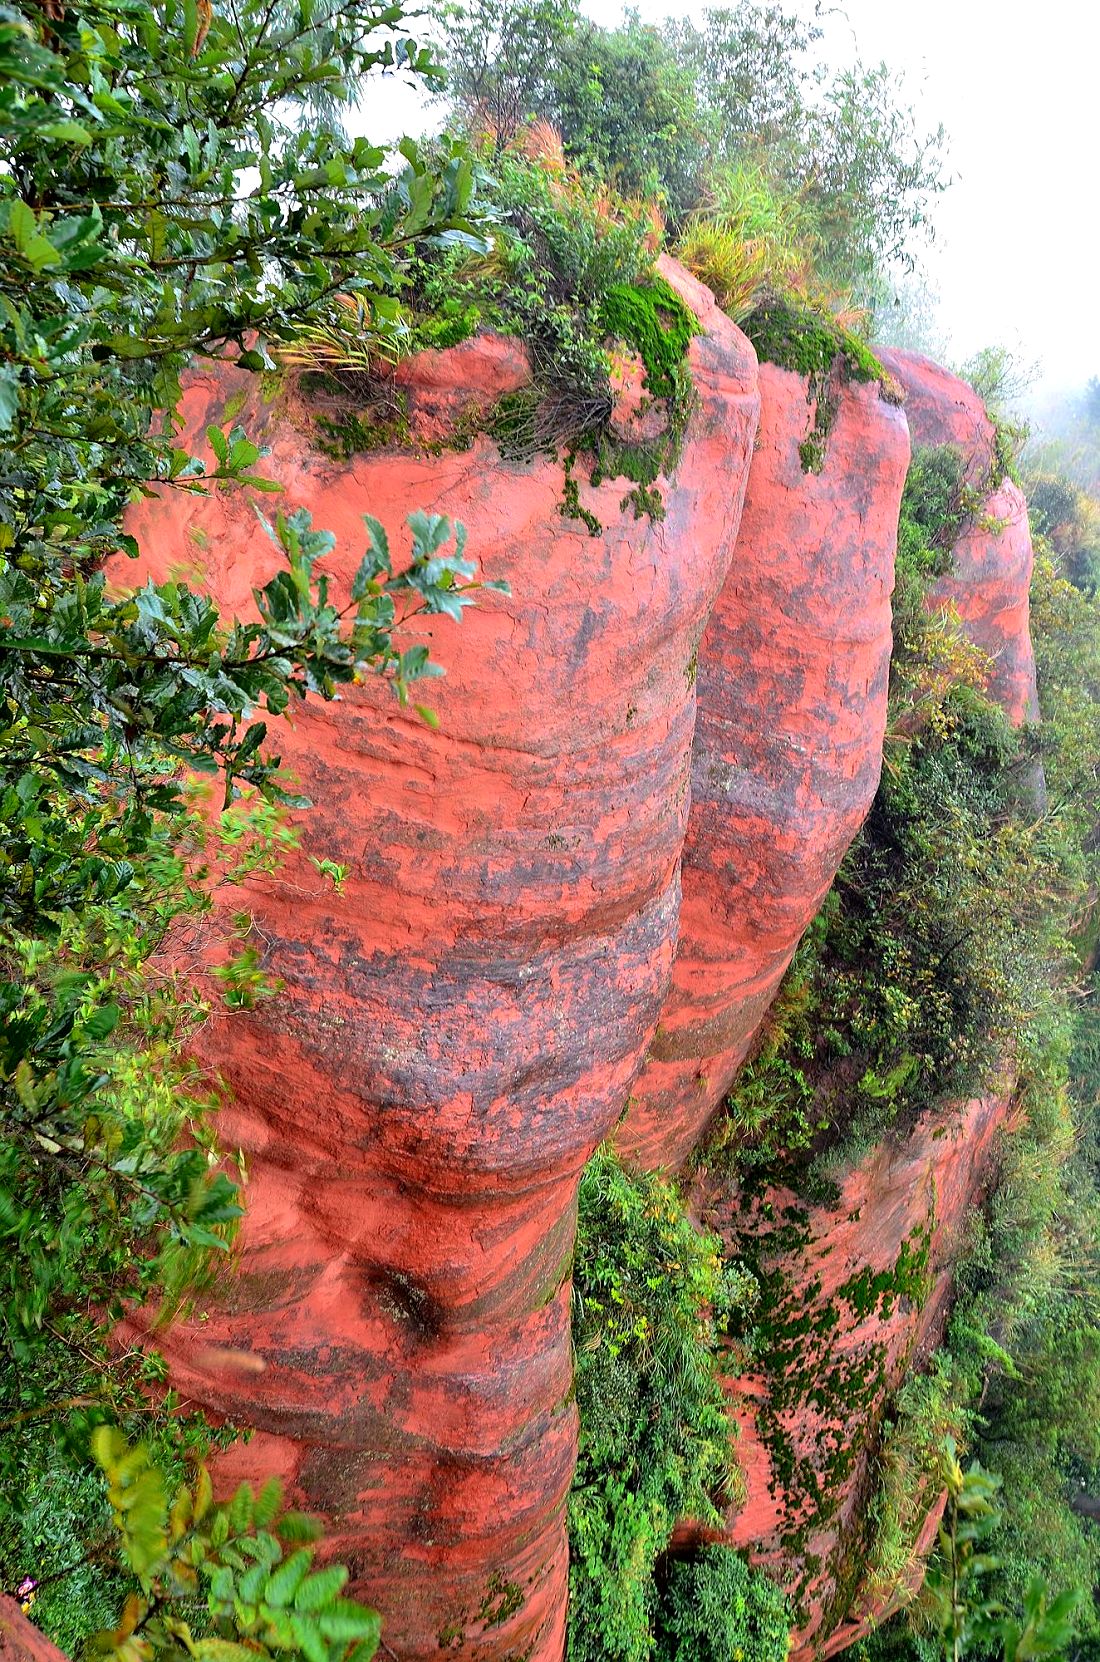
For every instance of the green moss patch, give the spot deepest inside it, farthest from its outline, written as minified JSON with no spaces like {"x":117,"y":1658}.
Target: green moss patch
{"x":793,"y":337}
{"x":793,"y":1336}
{"x":652,"y":320}
{"x":807,"y":343}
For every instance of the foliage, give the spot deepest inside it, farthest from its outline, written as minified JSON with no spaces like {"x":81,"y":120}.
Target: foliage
{"x":870,"y":177}
{"x":221,"y":1583}
{"x":934,"y":512}
{"x":627,"y":108}
{"x":716,"y":1609}
{"x":669,"y":111}
{"x":842,"y":143}
{"x":161,"y":197}
{"x":999,"y":377}
{"x":649,"y":1293}
{"x":747,"y":240}
{"x":496,"y":55}
{"x":572,"y":275}
{"x":1069,"y":521}
{"x":967,"y":1619}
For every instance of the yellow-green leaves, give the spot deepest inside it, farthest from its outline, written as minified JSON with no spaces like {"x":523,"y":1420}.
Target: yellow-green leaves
{"x":230,"y":1557}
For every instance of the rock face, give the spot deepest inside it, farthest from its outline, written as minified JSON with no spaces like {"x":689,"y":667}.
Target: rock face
{"x":20,"y":1640}
{"x":462,"y":1024}
{"x":991,"y":567}
{"x":854,"y":1297}
{"x":792,"y":683}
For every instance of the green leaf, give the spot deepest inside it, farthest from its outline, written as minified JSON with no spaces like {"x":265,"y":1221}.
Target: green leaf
{"x":321,"y":1588}
{"x":9,"y":396}
{"x":66,"y":132}
{"x":286,"y":1580}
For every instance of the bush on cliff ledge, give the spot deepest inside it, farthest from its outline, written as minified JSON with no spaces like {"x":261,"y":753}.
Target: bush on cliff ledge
{"x":650,"y":1294}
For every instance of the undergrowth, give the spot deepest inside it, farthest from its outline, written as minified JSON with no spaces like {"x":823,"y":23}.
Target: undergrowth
{"x":650,"y":1297}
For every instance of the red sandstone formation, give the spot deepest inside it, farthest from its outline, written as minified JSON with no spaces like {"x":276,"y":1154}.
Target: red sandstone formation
{"x":812,"y":1417}
{"x":792,"y":682}
{"x":20,"y":1640}
{"x":462,"y":1024}
{"x":991,"y":572}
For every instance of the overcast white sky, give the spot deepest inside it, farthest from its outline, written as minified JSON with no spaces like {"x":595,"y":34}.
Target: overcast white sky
{"x":1017,"y":256}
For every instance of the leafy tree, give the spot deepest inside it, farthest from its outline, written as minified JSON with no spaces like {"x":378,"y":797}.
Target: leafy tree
{"x":161,"y":197}
{"x":497,"y":53}
{"x":668,"y":108}
{"x":752,"y":66}
{"x":626,"y":105}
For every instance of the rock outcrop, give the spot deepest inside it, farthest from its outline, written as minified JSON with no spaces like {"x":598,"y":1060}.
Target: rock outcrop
{"x":464,"y":1021}
{"x":990,"y":575}
{"x":854,"y":1297}
{"x":20,"y":1640}
{"x":792,"y":681}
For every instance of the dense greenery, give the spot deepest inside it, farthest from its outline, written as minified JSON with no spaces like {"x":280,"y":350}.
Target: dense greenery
{"x":160,"y":197}
{"x":670,"y":111}
{"x":716,"y":1609}
{"x":650,"y":1295}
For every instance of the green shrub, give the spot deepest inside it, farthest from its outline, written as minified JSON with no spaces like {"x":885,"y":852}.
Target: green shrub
{"x":716,"y":1609}
{"x":649,"y":1293}
{"x":571,"y":274}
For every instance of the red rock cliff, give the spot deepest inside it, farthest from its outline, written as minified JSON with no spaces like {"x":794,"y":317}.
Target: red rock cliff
{"x":855,"y":1297}
{"x":463,"y":1023}
{"x":991,"y":568}
{"x":792,"y":680}
{"x":809,"y":1416}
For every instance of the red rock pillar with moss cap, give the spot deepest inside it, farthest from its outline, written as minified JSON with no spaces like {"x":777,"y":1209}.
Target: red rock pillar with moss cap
{"x":462,"y":1023}
{"x":990,"y":576}
{"x":791,"y":684}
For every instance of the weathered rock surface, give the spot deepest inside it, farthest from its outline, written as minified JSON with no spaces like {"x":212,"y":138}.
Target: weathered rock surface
{"x":991,"y":567}
{"x":462,"y":1024}
{"x":792,"y":683}
{"x":855,"y":1297}
{"x":848,"y":1317}
{"x":20,"y":1640}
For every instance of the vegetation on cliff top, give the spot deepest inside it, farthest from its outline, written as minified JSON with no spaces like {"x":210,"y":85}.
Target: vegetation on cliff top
{"x":674,"y":110}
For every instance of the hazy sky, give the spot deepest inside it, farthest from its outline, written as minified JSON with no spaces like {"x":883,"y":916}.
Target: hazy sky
{"x":1017,"y":255}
